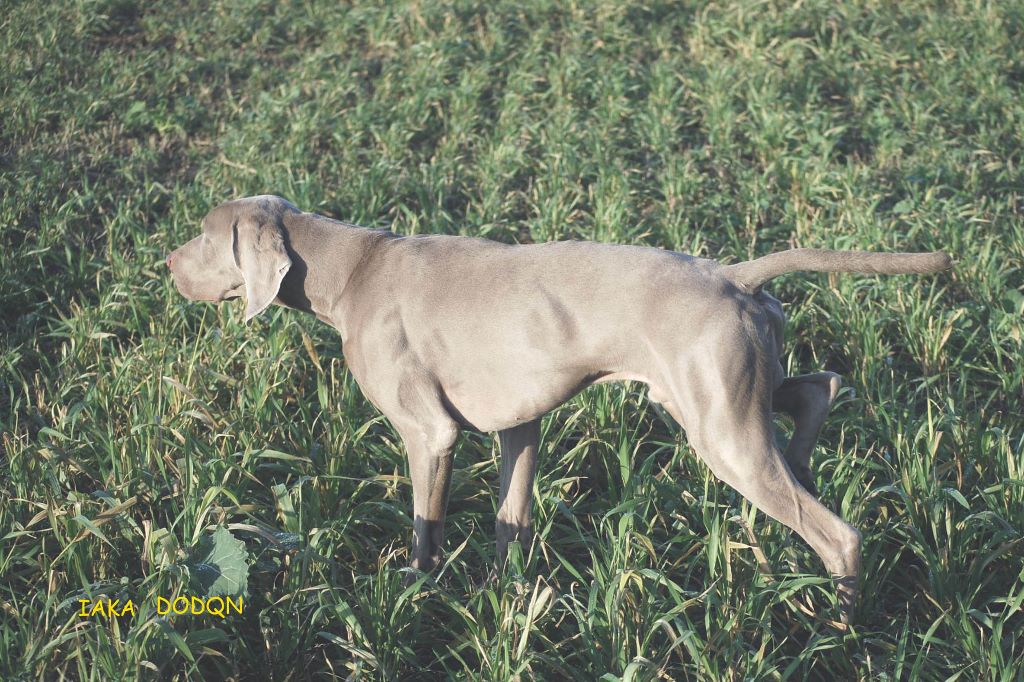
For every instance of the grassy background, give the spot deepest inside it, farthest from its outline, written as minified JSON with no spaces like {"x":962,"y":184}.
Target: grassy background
{"x":135,"y":422}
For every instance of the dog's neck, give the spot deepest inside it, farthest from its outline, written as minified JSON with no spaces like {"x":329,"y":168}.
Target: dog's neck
{"x":336,"y":249}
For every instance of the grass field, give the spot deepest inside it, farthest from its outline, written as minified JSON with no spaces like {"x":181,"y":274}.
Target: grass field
{"x":135,"y":423}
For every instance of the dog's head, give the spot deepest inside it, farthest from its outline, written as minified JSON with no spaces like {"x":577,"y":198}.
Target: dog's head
{"x":242,"y":250}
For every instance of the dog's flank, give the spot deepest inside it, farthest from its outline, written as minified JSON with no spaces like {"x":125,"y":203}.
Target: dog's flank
{"x":445,"y":332}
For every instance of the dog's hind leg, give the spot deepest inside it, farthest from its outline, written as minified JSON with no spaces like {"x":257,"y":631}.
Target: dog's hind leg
{"x":753,"y":465}
{"x":807,"y":399}
{"x":518,"y":464}
{"x":733,"y":435}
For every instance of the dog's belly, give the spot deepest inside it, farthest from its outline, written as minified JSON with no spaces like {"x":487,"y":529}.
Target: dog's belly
{"x":513,"y":373}
{"x":492,"y":405}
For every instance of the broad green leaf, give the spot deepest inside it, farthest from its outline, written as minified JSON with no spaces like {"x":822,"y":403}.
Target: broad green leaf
{"x":219,"y":565}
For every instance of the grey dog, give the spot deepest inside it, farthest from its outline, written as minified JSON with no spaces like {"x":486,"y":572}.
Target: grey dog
{"x":445,"y":332}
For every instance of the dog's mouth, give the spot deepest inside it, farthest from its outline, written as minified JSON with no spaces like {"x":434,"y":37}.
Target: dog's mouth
{"x":231,"y":294}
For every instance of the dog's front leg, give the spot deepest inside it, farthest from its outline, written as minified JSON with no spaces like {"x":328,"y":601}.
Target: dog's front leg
{"x":518,"y":464}
{"x":430,"y":468}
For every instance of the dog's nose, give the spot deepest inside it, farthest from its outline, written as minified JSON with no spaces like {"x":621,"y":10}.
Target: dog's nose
{"x":170,"y":259}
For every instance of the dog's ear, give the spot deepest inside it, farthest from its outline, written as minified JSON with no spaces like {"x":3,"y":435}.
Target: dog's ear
{"x":261,"y":256}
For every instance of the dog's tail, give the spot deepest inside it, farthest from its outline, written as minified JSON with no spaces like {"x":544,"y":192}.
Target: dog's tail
{"x":752,"y":275}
